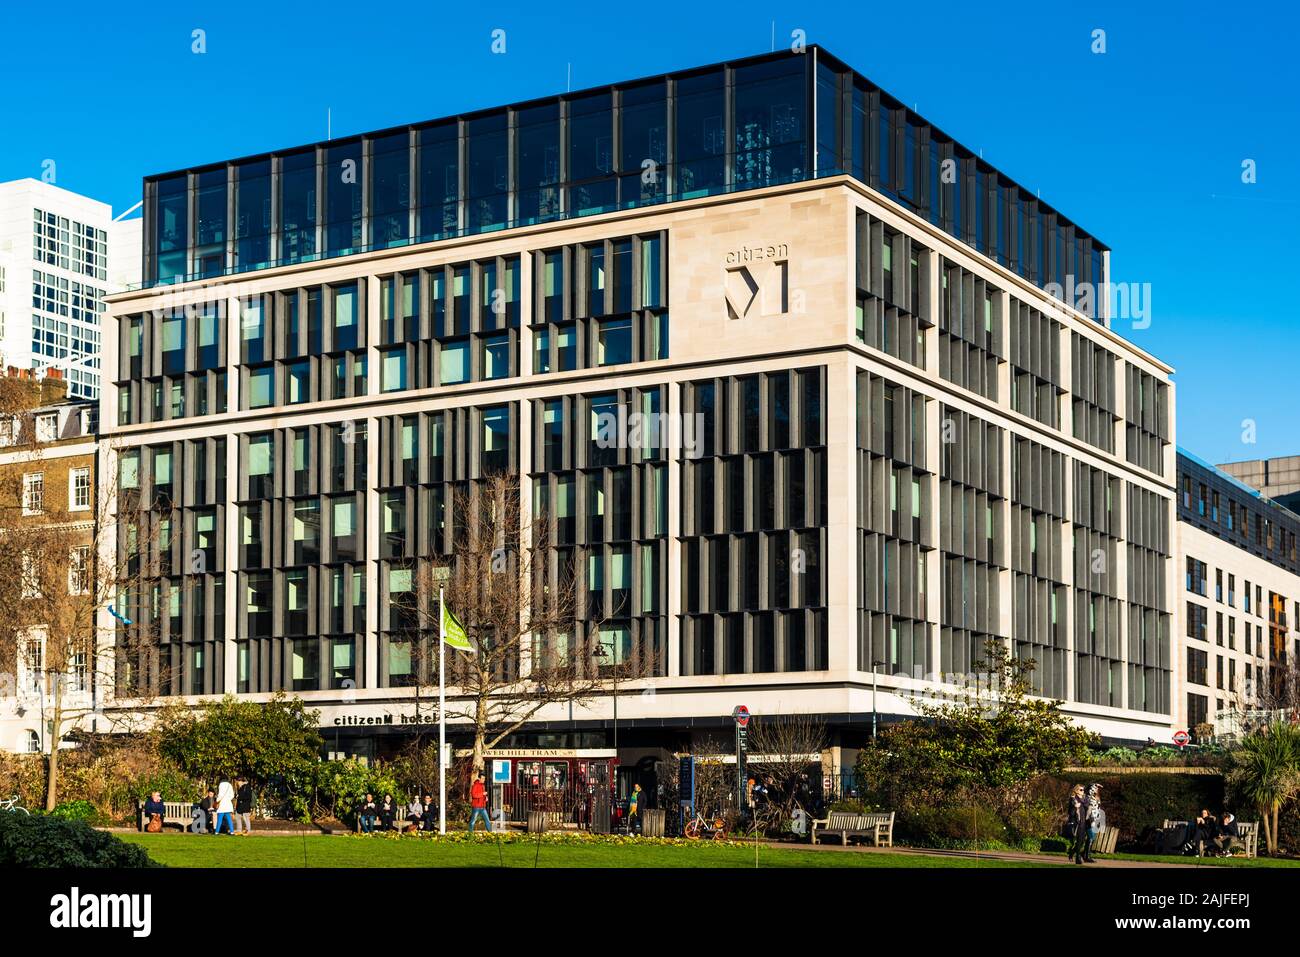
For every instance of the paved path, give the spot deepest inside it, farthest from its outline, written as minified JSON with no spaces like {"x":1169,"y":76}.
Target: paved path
{"x":1104,"y":862}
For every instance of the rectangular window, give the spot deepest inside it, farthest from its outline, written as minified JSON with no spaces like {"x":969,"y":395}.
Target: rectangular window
{"x":78,"y":490}
{"x":33,"y":493}
{"x":79,"y":571}
{"x":455,"y":363}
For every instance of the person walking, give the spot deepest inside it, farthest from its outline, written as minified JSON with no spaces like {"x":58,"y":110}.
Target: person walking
{"x":634,"y":810}
{"x":225,"y":805}
{"x":1076,"y":830}
{"x":478,"y":802}
{"x":243,"y":806}
{"x":1095,"y":820}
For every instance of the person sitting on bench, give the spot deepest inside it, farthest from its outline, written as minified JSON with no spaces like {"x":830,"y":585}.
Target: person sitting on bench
{"x":1229,"y":834}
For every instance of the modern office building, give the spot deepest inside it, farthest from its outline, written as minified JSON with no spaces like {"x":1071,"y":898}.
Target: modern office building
{"x":1276,"y":478}
{"x":1241,"y":598}
{"x":890,"y":437}
{"x":60,"y":254}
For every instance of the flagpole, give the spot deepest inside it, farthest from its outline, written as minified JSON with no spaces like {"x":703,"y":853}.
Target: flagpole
{"x":442,"y":721}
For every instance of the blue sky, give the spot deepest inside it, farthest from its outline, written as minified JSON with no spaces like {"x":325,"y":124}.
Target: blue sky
{"x":1142,"y":145}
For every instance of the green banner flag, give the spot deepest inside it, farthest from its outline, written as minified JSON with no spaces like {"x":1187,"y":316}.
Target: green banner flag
{"x":453,"y":632}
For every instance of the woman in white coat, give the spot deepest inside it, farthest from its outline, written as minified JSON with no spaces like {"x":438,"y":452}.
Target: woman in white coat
{"x":225,"y":805}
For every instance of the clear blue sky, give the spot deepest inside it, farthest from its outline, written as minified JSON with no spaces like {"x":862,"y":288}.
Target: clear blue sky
{"x":1142,"y":145}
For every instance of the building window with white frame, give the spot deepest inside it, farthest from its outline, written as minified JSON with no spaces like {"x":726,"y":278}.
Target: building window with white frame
{"x":33,"y":665}
{"x":33,"y":493}
{"x":47,"y":427}
{"x":78,"y":490}
{"x":33,"y":742}
{"x":79,"y":671}
{"x":79,"y":571}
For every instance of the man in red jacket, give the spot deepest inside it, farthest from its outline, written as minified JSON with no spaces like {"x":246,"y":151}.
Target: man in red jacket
{"x":478,"y":801}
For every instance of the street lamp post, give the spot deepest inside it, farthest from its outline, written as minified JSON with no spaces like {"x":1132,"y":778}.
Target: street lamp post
{"x":875,"y":673}
{"x":600,"y":653}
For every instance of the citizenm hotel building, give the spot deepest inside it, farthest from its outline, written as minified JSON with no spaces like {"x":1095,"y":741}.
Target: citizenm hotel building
{"x":897,"y":439}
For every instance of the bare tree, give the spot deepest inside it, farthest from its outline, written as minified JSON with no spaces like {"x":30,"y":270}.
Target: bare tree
{"x":784,"y":748}
{"x":56,"y":574}
{"x":525,"y":610}
{"x":1259,"y":702}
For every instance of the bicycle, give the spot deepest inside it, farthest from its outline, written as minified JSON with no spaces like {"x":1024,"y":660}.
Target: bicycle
{"x":13,"y":805}
{"x":700,"y":827}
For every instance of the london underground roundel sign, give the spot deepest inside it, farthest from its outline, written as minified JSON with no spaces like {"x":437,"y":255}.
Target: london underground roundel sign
{"x":1181,"y":738}
{"x":742,"y":715}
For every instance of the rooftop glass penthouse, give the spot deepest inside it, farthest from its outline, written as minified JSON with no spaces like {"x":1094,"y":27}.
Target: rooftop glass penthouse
{"x":770,"y":119}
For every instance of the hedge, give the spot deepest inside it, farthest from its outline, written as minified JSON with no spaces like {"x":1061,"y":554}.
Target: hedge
{"x":1135,"y":801}
{"x":42,"y":841}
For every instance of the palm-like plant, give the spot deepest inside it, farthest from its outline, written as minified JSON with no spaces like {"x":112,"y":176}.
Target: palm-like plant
{"x":1267,"y":773}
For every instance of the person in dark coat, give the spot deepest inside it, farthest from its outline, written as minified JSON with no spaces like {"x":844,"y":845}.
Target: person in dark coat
{"x":243,"y":806}
{"x":1229,"y":834}
{"x":387,"y":813}
{"x":429,"y":823}
{"x":1076,"y":826}
{"x":154,"y":808}
{"x":1207,"y":829}
{"x":367,"y":814}
{"x":209,"y":808}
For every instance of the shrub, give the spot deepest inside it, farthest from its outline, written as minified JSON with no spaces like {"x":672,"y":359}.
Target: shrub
{"x":1288,"y":828}
{"x":46,"y":841}
{"x":1034,"y":820}
{"x":852,"y":806}
{"x":953,"y":826}
{"x":341,"y":785}
{"x":78,"y":810}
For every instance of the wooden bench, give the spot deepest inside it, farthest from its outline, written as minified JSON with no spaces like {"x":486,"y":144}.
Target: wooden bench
{"x":1106,"y":841}
{"x":1248,"y":840}
{"x":180,"y":813}
{"x":878,"y":827}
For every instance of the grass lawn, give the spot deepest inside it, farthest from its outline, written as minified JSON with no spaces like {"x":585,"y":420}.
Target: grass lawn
{"x":1210,"y":861}
{"x":192,"y":850}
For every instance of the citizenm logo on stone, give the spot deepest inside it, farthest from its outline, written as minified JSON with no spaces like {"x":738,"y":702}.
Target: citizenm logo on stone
{"x":77,"y":911}
{"x":757,"y":281}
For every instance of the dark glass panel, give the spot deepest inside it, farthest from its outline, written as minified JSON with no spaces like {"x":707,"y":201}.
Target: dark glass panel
{"x":488,"y":174}
{"x":770,"y":114}
{"x":390,"y":190}
{"x":210,"y":228}
{"x":252,"y":214}
{"x":171,"y":227}
{"x":439,"y":169}
{"x":343,"y":189}
{"x":298,"y":207}
{"x":701,"y":134}
{"x":537,"y":139}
